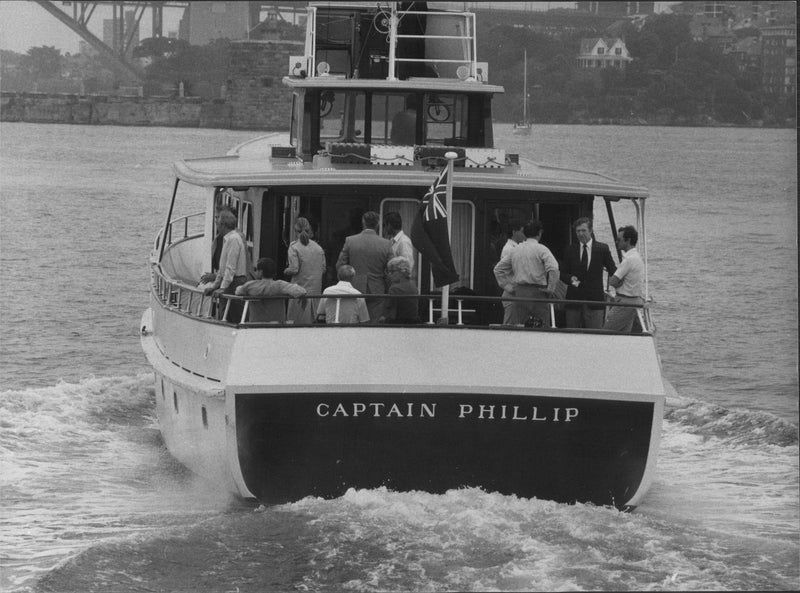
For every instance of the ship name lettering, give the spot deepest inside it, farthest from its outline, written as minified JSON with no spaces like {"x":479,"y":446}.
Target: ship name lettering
{"x":376,"y":410}
{"x":502,"y":412}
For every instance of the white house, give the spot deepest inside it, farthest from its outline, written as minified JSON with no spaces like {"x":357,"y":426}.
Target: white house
{"x":599,"y":52}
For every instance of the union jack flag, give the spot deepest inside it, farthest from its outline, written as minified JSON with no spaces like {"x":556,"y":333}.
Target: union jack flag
{"x":434,"y":198}
{"x":429,"y":232}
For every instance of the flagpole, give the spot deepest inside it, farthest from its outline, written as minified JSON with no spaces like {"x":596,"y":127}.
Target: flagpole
{"x":450,"y":156}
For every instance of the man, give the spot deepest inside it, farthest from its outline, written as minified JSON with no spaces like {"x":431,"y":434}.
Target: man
{"x":529,"y":271}
{"x":516,"y":237}
{"x":582,"y":272}
{"x":401,"y":243}
{"x":265,"y":285}
{"x":216,"y":246}
{"x":232,"y":264}
{"x":368,"y":253}
{"x":628,"y":281}
{"x":343,"y":310}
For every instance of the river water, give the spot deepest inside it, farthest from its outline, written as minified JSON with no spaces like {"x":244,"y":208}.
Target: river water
{"x":91,"y":500}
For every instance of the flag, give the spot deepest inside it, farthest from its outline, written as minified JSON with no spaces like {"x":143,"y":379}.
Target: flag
{"x":429,"y":232}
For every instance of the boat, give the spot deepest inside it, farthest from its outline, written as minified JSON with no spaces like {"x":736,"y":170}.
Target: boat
{"x":523,"y":128}
{"x":277,"y":411}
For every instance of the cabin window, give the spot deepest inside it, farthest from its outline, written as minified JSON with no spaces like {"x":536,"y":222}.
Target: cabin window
{"x":446,"y":119}
{"x":461,"y":244}
{"x":243,"y":210}
{"x":461,"y":235}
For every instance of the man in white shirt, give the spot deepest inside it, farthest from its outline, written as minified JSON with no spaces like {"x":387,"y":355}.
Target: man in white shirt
{"x":517,"y":237}
{"x":343,"y":310}
{"x":401,"y":243}
{"x":628,"y":281}
{"x":232,"y":264}
{"x":529,"y":271}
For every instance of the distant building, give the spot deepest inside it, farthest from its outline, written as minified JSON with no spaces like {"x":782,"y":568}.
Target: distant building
{"x":116,"y":39}
{"x":207,"y":21}
{"x":716,"y":20}
{"x":779,"y":60}
{"x":617,"y":8}
{"x":599,"y":52}
{"x":746,"y":54}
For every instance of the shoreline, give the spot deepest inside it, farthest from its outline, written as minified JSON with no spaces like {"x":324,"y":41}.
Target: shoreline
{"x":196,"y":112}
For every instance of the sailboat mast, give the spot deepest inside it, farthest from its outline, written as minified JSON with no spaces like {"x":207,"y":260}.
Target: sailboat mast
{"x":525,"y":87}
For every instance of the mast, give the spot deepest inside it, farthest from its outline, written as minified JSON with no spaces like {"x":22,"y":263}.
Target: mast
{"x":525,"y":88}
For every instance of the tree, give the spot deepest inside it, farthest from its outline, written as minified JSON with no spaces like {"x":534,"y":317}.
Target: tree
{"x":192,"y":65}
{"x":158,"y":47}
{"x":42,"y":62}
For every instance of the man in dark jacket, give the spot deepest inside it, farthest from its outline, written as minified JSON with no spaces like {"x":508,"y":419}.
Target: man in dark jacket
{"x":368,"y":253}
{"x":582,"y":272}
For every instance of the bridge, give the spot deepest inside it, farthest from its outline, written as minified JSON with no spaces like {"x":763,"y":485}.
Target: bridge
{"x":78,"y":15}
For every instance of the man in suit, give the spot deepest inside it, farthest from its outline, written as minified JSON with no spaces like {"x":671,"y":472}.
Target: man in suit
{"x":582,"y":272}
{"x":368,"y":253}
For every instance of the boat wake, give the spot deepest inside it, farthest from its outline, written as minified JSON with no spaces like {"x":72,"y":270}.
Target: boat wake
{"x":94,"y":503}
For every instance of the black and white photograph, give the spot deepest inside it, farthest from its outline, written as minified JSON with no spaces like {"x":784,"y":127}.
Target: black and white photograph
{"x":386,"y":296}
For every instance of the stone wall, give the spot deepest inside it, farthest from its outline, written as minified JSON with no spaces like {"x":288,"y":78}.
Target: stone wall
{"x":255,"y":91}
{"x":255,"y":98}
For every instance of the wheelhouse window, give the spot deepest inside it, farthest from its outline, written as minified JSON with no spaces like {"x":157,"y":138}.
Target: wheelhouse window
{"x":371,"y":117}
{"x":341,"y":116}
{"x":446,"y":119}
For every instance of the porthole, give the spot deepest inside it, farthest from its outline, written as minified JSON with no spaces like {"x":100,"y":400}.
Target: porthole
{"x":204,"y":415}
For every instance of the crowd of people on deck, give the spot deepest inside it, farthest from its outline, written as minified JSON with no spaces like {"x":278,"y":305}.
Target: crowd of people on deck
{"x":370,"y":264}
{"x":528,"y":270}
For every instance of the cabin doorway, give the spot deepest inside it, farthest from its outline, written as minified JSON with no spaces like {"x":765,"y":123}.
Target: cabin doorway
{"x":341,"y":217}
{"x":502,"y":217}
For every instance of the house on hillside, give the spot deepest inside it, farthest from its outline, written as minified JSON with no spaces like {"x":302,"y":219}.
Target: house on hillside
{"x":599,"y":52}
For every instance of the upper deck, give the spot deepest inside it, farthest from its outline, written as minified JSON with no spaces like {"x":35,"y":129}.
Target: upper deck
{"x":253,"y":164}
{"x":381,"y":76}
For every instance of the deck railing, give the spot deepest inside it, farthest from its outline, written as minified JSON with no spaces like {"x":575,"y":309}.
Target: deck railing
{"x":463,"y":308}
{"x":183,"y":227}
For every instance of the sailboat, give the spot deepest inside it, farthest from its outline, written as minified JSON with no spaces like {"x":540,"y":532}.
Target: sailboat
{"x":524,"y":127}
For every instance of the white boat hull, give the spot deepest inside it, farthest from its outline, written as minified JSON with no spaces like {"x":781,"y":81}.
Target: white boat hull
{"x":285,"y":412}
